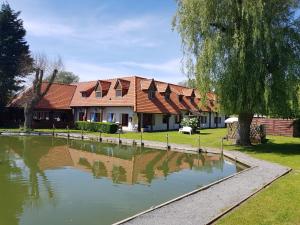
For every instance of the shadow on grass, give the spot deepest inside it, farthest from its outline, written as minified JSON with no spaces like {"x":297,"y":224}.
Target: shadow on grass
{"x":271,"y":147}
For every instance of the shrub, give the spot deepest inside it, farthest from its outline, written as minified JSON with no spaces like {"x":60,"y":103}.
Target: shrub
{"x":189,"y":122}
{"x":104,"y":127}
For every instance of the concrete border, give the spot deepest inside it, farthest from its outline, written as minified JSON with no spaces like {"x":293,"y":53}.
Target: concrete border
{"x":223,"y":195}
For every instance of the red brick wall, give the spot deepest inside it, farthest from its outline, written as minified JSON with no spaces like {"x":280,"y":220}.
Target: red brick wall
{"x":282,"y":127}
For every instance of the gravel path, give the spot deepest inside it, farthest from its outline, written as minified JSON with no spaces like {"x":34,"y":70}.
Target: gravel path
{"x":207,"y":205}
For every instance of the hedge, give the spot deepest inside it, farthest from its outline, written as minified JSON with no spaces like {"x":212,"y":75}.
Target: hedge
{"x":104,"y":127}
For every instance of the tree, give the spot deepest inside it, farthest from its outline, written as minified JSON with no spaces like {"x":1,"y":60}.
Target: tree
{"x":37,"y":92}
{"x":189,"y":83}
{"x":15,"y":59}
{"x":65,"y":77}
{"x":247,"y":51}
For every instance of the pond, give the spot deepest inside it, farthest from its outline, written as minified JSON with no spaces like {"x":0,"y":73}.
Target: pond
{"x":46,"y":180}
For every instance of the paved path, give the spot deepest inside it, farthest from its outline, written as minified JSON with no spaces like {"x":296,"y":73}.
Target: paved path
{"x":205,"y":205}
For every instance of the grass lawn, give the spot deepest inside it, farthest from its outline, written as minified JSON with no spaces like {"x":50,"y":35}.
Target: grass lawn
{"x":277,"y":204}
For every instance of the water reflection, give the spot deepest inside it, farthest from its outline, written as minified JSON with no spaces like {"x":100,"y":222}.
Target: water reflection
{"x":124,"y":164}
{"x":27,"y":162}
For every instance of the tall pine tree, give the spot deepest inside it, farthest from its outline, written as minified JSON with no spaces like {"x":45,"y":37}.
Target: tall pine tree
{"x":15,"y":59}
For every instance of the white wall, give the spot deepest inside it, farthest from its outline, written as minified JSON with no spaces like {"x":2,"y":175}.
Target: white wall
{"x":159,"y":125}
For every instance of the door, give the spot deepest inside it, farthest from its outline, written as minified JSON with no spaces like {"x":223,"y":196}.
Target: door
{"x":125,"y":120}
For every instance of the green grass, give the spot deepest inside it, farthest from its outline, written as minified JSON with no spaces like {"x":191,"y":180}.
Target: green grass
{"x":277,"y":204}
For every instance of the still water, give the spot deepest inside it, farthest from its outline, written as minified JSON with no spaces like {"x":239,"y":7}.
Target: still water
{"x":53,"y":181}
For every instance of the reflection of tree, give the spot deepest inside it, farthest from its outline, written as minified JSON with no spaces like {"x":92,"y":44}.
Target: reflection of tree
{"x":118,"y":174}
{"x":84,"y":162}
{"x":13,"y":190}
{"x":31,"y":149}
{"x":149,"y":171}
{"x":99,"y":169}
{"x":189,"y":159}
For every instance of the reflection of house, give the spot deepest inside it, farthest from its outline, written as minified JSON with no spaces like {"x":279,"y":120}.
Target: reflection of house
{"x":139,"y":168}
{"x":134,"y":102}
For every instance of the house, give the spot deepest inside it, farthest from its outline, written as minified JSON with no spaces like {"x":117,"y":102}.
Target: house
{"x":137,"y":102}
{"x":52,"y":109}
{"x":134,"y":102}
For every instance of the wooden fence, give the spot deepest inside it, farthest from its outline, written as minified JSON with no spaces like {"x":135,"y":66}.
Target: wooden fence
{"x":282,"y":127}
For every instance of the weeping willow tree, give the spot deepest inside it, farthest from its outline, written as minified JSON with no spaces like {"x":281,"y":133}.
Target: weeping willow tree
{"x":247,"y":51}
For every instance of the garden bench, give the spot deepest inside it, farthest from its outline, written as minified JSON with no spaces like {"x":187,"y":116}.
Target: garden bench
{"x":186,"y":130}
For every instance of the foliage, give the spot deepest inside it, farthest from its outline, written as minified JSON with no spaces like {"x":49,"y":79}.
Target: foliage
{"x":189,"y":122}
{"x":190,"y":83}
{"x":104,"y":127}
{"x":247,"y":51}
{"x":15,"y":59}
{"x":65,"y":77}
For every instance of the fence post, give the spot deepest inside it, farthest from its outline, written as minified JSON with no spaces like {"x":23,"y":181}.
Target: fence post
{"x":168,"y":146}
{"x":142,"y":130}
{"x":100,"y":136}
{"x":120,"y":142}
{"x":68,"y":131}
{"x":199,"y":143}
{"x":222,"y":145}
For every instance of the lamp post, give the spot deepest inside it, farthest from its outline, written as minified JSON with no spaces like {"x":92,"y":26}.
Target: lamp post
{"x":53,"y":129}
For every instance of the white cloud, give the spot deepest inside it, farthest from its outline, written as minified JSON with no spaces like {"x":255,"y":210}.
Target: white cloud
{"x":90,"y":71}
{"x":171,"y":66}
{"x":127,"y":32}
{"x":47,"y":29}
{"x":168,"y":71}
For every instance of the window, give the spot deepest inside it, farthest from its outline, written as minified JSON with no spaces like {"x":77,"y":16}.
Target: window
{"x":203,"y":119}
{"x":192,"y":100}
{"x":180,"y":98}
{"x":167,"y":95}
{"x":218,"y":119}
{"x":111,"y":117}
{"x":41,"y":115}
{"x":151,"y":94}
{"x":98,"y":94}
{"x":165,"y":119}
{"x":119,"y":93}
{"x":84,"y":94}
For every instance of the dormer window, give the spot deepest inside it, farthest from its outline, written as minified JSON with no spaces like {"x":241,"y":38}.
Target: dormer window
{"x":118,"y":92}
{"x":84,"y":94}
{"x":180,"y":98}
{"x":98,"y":94}
{"x":151,"y":94}
{"x":192,"y":100}
{"x":121,"y":87}
{"x":167,"y":95}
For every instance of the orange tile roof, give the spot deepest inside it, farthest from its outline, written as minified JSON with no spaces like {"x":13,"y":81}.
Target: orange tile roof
{"x":59,"y":96}
{"x":110,"y":98}
{"x":62,"y":96}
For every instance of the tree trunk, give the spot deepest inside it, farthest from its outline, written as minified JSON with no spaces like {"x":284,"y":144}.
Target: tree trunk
{"x":28,"y":114}
{"x":245,"y":120}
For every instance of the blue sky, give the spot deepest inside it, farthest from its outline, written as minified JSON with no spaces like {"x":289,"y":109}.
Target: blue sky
{"x":105,"y":38}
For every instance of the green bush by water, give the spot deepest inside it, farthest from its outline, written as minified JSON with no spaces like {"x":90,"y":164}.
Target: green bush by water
{"x":104,"y":127}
